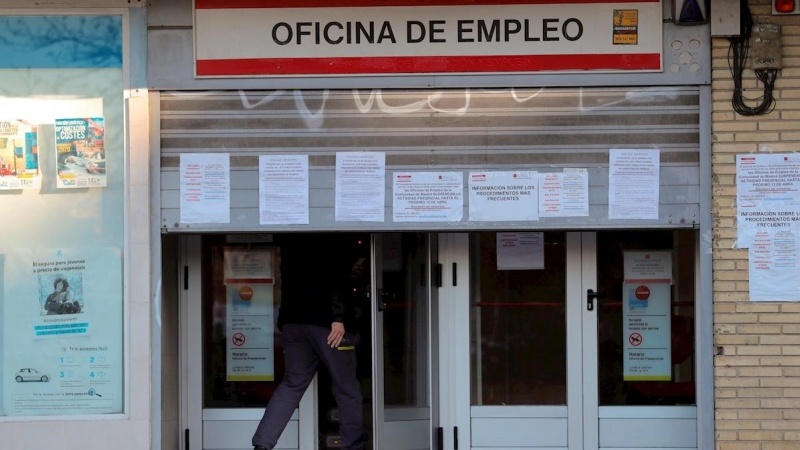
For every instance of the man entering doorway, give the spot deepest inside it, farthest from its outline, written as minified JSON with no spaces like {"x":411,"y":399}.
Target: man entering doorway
{"x":312,"y":321}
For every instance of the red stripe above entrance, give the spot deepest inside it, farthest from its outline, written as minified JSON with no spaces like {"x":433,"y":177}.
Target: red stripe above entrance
{"x":425,"y":64}
{"x":257,"y":4}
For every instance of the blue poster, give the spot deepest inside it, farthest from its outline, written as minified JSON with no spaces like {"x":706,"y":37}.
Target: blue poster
{"x":62,"y":332}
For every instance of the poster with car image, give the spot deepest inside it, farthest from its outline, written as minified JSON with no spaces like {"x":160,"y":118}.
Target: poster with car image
{"x":19,"y":155}
{"x":62,"y":331}
{"x":80,"y":153}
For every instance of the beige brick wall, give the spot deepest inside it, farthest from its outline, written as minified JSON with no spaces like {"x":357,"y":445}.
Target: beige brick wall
{"x":757,"y":367}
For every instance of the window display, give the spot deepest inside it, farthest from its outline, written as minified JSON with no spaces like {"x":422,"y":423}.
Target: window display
{"x":61,"y":250}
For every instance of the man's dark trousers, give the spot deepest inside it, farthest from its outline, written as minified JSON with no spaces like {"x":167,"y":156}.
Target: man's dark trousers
{"x":304,"y":347}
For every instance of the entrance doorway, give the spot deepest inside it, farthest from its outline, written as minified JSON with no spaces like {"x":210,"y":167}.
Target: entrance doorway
{"x":542,"y":323}
{"x":481,"y":340}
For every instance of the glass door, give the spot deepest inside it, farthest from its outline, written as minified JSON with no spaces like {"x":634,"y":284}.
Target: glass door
{"x":516,"y":339}
{"x":404,"y":331}
{"x":232,"y":352}
{"x":639,"y":350}
{"x":235,"y":290}
{"x":579,"y":341}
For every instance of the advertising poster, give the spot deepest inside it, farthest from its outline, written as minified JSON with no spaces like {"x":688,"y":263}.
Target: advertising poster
{"x":647,"y":332}
{"x":205,"y":188}
{"x":62,"y":332}
{"x":249,"y":287}
{"x":428,"y":197}
{"x":283,"y":189}
{"x":633,"y":184}
{"x":774,"y":267}
{"x":767,"y":194}
{"x":564,"y":194}
{"x":503,"y":196}
{"x":360,"y":186}
{"x":19,"y":155}
{"x":520,"y":251}
{"x":626,"y":26}
{"x":80,"y":153}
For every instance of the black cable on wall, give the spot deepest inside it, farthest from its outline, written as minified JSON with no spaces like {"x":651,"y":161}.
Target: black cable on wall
{"x":737,"y":58}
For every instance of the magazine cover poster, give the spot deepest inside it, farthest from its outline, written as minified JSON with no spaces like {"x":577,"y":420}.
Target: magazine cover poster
{"x":80,"y":153}
{"x":19,"y":155}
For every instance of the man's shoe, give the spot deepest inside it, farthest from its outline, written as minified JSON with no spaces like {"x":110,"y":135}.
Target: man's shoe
{"x":258,"y":447}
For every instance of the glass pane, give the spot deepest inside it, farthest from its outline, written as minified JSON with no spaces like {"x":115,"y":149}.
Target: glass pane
{"x":405,"y":320}
{"x":671,"y":358}
{"x":292,"y":255}
{"x":220,"y":389}
{"x":62,"y":250}
{"x":518,"y":323}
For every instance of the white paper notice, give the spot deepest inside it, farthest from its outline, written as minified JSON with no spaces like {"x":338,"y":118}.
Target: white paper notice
{"x":653,"y":267}
{"x":205,"y":188}
{"x":633,"y":177}
{"x":564,"y":194}
{"x":767,"y":195}
{"x":520,"y":251}
{"x":360,"y":186}
{"x":283,"y":189}
{"x":774,"y":267}
{"x":428,"y":197}
{"x":503,"y":196}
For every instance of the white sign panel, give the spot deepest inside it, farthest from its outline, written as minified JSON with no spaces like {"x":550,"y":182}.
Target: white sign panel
{"x":249,"y":286}
{"x":360,"y":186}
{"x":767,"y":194}
{"x":205,"y":188}
{"x":503,"y":196}
{"x":774,"y":266}
{"x":633,"y":184}
{"x":428,"y":197}
{"x":339,"y":37}
{"x":520,"y":251}
{"x":283,"y":189}
{"x":648,"y":266}
{"x":564,"y":194}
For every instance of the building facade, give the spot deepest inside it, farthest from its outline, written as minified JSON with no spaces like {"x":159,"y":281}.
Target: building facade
{"x":532,"y":243}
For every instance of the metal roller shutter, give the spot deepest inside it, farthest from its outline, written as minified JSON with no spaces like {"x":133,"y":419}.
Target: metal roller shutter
{"x":544,"y":129}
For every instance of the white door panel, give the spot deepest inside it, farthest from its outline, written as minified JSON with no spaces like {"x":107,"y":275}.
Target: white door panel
{"x":517,"y":432}
{"x":650,"y":433}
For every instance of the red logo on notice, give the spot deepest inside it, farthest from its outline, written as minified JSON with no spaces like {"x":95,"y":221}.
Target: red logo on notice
{"x":642,"y":292}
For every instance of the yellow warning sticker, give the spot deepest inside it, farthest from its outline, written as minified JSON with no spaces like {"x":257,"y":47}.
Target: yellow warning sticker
{"x":626,"y":26}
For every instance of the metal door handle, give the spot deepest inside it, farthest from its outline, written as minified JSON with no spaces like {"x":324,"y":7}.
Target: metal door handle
{"x":590,"y":296}
{"x":381,"y":303}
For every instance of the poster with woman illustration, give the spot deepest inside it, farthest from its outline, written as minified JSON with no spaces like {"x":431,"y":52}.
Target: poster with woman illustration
{"x":80,"y":153}
{"x":62,"y":331}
